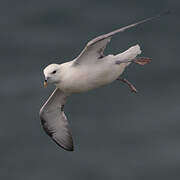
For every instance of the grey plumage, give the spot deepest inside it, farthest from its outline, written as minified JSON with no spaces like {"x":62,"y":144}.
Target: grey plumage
{"x":54,"y":121}
{"x":96,"y":46}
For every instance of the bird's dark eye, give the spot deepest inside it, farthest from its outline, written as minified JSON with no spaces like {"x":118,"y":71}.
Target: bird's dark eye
{"x":54,"y":72}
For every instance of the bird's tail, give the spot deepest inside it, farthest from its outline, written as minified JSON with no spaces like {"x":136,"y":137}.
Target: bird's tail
{"x":129,"y":54}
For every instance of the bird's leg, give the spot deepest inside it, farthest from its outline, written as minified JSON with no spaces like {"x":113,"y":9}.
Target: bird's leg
{"x":133,"y":89}
{"x":142,"y":60}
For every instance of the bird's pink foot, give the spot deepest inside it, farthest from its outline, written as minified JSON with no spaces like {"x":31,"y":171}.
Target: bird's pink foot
{"x":131,"y":86}
{"x":142,"y":60}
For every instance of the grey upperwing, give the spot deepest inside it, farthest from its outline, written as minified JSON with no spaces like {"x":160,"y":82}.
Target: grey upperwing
{"x":95,"y":48}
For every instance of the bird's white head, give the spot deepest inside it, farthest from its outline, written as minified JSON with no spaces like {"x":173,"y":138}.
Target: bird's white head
{"x":52,"y":74}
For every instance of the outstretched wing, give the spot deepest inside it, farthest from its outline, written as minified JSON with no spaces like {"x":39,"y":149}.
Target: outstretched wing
{"x":54,"y":121}
{"x":94,"y":48}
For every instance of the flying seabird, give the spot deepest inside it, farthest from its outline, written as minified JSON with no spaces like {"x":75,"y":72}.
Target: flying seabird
{"x":90,"y":70}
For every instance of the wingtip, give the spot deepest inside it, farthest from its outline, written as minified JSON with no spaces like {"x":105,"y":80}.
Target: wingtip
{"x":70,"y":148}
{"x":66,"y":146}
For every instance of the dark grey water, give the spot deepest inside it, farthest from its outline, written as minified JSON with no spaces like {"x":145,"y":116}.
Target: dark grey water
{"x":118,"y":135}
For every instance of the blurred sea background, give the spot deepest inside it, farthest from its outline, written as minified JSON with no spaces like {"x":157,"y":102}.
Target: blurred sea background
{"x":117,"y":134}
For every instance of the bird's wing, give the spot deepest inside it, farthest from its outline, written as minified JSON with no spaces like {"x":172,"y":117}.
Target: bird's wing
{"x":54,"y":121}
{"x":94,"y":48}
